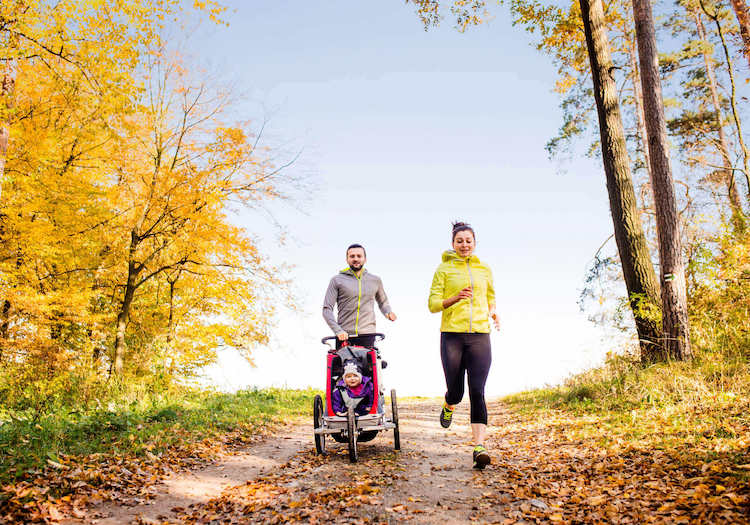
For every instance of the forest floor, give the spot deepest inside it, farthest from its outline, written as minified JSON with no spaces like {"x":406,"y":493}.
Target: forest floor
{"x":560,"y":468}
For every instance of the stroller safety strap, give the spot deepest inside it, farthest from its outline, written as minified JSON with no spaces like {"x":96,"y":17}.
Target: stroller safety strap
{"x":350,"y":402}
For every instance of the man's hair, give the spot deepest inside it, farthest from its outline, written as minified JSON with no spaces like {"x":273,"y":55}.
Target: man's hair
{"x":356,"y":245}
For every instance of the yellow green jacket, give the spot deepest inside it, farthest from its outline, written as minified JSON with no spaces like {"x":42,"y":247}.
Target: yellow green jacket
{"x":454,"y":274}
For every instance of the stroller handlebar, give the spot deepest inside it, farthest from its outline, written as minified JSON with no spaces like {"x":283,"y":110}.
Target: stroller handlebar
{"x":378,"y":337}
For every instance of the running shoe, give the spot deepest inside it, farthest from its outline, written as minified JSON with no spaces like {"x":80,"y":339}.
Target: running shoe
{"x":481,"y":457}
{"x":446,"y":416}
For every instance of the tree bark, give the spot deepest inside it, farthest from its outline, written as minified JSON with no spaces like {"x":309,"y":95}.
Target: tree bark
{"x":673,"y":294}
{"x":122,"y":321}
{"x":134,"y":269}
{"x":637,"y":269}
{"x":743,"y":17}
{"x":638,"y":99}
{"x":7,"y":87}
{"x":738,"y":218}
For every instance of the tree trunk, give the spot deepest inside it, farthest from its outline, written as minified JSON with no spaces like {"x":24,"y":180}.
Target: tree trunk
{"x":4,"y":325}
{"x":638,"y":99}
{"x":7,"y":86}
{"x":738,"y":218}
{"x":743,"y":17}
{"x":122,"y":320}
{"x":170,"y":323}
{"x":673,"y":295}
{"x":134,"y":269}
{"x":732,"y":96}
{"x":637,"y":268}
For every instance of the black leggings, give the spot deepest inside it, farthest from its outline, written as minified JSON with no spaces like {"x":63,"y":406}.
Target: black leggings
{"x":470,"y":353}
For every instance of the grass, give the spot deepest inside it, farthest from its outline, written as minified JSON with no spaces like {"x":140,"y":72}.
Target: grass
{"x":699,"y":407}
{"x":145,"y":426}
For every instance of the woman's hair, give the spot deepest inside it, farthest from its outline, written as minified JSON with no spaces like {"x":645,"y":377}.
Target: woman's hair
{"x":461,"y":227}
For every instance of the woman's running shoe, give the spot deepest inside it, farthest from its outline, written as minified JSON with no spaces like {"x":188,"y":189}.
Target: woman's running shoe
{"x":481,"y":457}
{"x":446,"y":416}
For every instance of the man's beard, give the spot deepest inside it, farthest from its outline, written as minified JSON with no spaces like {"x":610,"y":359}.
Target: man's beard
{"x":355,"y":268}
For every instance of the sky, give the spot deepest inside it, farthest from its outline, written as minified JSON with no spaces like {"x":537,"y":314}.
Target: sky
{"x":399,"y":132}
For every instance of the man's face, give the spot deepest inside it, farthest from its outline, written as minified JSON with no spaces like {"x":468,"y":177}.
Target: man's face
{"x":355,"y":258}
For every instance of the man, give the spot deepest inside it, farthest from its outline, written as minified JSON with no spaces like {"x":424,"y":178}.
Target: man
{"x":353,"y":291}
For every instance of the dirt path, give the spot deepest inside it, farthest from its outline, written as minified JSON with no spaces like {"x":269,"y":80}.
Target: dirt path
{"x":540,"y":473}
{"x":282,"y":479}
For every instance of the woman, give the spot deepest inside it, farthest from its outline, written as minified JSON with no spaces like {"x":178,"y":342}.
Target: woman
{"x":462,"y":290}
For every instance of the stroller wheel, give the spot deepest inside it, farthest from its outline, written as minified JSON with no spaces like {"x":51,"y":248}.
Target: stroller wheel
{"x":320,"y":439}
{"x":394,"y":418}
{"x":351,"y":429}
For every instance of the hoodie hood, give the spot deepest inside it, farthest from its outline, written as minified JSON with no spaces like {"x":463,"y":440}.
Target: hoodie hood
{"x":349,"y":271}
{"x":451,"y":255}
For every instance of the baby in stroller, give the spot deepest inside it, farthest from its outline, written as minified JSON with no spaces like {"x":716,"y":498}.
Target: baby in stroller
{"x":353,"y":389}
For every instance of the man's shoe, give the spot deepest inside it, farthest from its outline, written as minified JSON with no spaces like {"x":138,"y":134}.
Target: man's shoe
{"x":481,"y":457}
{"x":446,"y":416}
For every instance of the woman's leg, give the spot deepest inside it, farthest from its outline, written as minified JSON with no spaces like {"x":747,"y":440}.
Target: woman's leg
{"x":478,"y":433}
{"x":451,"y":353}
{"x":478,"y":360}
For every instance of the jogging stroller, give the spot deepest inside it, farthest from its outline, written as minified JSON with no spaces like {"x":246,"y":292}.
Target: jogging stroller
{"x":353,"y":428}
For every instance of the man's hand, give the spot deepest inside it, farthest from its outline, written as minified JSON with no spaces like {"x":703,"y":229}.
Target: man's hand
{"x":343,"y":336}
{"x":391,"y":316}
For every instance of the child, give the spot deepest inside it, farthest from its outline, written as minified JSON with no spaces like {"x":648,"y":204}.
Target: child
{"x":357,"y":388}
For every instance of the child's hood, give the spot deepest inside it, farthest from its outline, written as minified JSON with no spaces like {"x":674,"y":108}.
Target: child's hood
{"x":365,"y":381}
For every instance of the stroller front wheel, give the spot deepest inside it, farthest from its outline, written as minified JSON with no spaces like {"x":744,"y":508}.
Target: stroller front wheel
{"x":394,"y":418}
{"x":351,"y":428}
{"x":320,"y":439}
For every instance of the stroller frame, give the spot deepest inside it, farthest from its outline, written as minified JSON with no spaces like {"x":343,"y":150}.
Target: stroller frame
{"x":353,"y":428}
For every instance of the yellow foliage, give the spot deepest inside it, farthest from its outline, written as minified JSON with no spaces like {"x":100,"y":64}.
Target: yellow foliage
{"x":119,"y":189}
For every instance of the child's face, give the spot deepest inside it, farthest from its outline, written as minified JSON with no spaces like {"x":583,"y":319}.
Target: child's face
{"x":352,"y":380}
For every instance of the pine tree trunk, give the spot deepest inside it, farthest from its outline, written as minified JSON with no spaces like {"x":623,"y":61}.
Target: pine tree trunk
{"x":673,"y":294}
{"x":638,"y":271}
{"x":638,"y":100}
{"x":743,"y":17}
{"x":738,"y":217}
{"x":732,"y":96}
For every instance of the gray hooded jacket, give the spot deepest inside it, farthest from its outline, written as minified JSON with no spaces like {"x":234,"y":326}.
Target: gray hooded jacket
{"x":354,"y":296}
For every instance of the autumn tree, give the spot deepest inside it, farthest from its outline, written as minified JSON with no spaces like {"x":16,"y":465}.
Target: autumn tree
{"x":743,"y":18}
{"x":701,"y":123}
{"x":178,"y":168}
{"x":102,"y":41}
{"x":561,"y":37}
{"x":672,"y":273}
{"x":122,"y":180}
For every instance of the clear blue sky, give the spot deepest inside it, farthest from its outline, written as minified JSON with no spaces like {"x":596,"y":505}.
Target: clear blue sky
{"x":403,"y":131}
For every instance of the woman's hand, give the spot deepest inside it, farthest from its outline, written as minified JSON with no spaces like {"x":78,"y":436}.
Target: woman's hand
{"x":466,"y":293}
{"x":495,"y":319}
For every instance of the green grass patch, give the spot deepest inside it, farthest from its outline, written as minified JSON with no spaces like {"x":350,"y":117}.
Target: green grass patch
{"x":699,"y":407}
{"x":150,"y":425}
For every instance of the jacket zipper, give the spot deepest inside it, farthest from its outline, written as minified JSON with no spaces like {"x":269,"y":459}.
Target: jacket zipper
{"x":471,"y":301}
{"x":359,"y":302}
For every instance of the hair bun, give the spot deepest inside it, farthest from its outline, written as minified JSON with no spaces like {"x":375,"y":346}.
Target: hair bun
{"x":459,"y":224}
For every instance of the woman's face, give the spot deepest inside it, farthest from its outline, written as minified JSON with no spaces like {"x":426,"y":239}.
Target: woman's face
{"x":463,"y":243}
